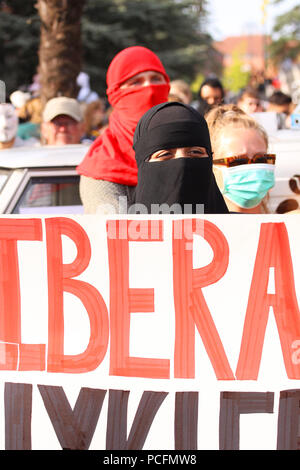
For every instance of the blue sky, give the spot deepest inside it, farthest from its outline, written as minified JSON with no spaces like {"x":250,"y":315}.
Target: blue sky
{"x":235,"y":17}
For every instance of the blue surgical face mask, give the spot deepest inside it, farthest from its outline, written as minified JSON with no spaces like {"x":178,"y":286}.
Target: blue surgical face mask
{"x":247,"y":185}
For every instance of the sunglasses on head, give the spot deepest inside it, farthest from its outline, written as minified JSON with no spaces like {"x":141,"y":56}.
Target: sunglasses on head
{"x":244,"y":159}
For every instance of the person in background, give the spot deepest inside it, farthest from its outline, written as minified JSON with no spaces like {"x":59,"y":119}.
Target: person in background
{"x":32,"y":110}
{"x":30,"y":115}
{"x":28,"y":110}
{"x":180,"y":92}
{"x":279,"y":102}
{"x":282,"y":105}
{"x":211,"y":93}
{"x":86,"y":94}
{"x":243,"y":167}
{"x":249,"y":101}
{"x":62,"y":122}
{"x":136,"y":81}
{"x":9,"y":127}
{"x":18,"y":99}
{"x":95,"y":120}
{"x":174,"y":158}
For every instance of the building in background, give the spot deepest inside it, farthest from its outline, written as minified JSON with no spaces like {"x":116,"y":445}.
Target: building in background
{"x":252,"y":48}
{"x":251,"y":53}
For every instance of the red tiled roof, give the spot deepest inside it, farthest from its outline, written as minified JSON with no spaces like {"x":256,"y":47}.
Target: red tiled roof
{"x":251,"y":44}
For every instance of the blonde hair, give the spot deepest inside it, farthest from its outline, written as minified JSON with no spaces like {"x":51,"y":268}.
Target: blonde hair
{"x":89,"y":111}
{"x":220,"y":118}
{"x":180,"y":91}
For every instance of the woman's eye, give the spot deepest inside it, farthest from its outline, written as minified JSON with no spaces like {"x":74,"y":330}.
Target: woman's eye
{"x":163,"y":157}
{"x":195,"y":152}
{"x":198,"y":152}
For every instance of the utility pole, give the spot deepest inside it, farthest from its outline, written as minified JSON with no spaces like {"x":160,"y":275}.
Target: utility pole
{"x":264,"y":10}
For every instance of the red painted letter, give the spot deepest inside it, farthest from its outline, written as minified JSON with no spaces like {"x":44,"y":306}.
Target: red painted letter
{"x":124,"y":300}
{"x":273,"y":251}
{"x":30,"y":356}
{"x":190,"y":306}
{"x":59,"y":281}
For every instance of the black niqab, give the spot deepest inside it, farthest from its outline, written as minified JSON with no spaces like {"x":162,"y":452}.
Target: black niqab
{"x":180,"y":185}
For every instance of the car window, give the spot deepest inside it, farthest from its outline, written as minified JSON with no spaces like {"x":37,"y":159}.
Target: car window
{"x":50,"y":194}
{"x":4,"y":174}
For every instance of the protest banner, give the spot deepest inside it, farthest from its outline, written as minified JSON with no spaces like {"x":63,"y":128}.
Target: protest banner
{"x":166,"y":332}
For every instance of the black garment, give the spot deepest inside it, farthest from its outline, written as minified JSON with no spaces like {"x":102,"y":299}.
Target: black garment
{"x":203,"y":107}
{"x":185,"y":185}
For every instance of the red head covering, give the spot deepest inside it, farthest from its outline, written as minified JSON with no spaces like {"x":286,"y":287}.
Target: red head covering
{"x":111,"y":156}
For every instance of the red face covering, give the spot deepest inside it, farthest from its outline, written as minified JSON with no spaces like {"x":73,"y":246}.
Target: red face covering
{"x":111,"y":156}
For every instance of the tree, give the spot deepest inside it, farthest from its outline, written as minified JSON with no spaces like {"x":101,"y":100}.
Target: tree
{"x":19,"y":40}
{"x":60,"y":50}
{"x":171,"y":28}
{"x":235,"y":76}
{"x":174,"y":29}
{"x":286,"y":36}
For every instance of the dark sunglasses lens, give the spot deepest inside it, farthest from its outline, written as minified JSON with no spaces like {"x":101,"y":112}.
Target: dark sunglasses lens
{"x":264,"y":159}
{"x":260,"y":159}
{"x":238,"y":161}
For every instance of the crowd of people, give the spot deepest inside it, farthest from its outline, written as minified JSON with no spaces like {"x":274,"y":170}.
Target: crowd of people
{"x":149,"y":140}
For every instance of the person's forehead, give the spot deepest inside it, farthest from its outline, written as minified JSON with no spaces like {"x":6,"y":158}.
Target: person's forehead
{"x":145,"y":74}
{"x":280,"y":106}
{"x":65,"y":117}
{"x":235,"y":138}
{"x":207,"y":89}
{"x":252,"y":99}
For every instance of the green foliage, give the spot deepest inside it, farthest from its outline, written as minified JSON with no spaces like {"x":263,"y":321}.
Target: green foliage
{"x":19,"y":39}
{"x":171,"y":28}
{"x":20,"y":7}
{"x":235,"y":77}
{"x":286,"y":36}
{"x":195,"y":85}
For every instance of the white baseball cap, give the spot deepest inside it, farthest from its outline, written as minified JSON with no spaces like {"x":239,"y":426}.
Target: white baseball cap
{"x":62,"y":105}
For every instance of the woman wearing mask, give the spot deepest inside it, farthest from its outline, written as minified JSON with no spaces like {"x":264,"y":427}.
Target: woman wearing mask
{"x":243,"y":167}
{"x":136,"y":81}
{"x":174,"y":159}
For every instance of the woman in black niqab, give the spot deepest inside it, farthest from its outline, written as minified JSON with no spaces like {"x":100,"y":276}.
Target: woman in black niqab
{"x":186,"y":185}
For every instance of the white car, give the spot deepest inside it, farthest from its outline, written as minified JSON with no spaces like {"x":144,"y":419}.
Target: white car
{"x":40,"y":180}
{"x":43,"y":180}
{"x":285,"y":195}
